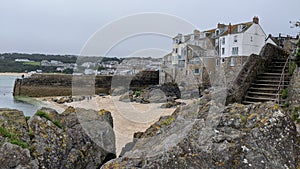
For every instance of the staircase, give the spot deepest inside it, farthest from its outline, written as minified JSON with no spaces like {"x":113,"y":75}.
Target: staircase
{"x":266,"y":85}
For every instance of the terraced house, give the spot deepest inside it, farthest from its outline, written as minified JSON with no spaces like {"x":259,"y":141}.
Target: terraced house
{"x":200,"y":55}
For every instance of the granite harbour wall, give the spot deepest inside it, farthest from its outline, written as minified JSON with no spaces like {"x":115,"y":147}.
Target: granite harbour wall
{"x":43,"y":85}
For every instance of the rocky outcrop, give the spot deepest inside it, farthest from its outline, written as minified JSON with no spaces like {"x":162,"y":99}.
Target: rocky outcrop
{"x":207,"y":135}
{"x":77,"y":138}
{"x":167,"y":92}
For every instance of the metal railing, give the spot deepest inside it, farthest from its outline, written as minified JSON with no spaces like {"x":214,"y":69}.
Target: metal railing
{"x":281,"y":81}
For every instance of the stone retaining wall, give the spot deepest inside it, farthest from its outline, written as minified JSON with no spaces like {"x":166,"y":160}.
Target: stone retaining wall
{"x":43,"y":85}
{"x":254,"y":65}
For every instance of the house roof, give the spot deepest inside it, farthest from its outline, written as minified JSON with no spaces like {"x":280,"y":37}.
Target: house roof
{"x":276,"y":41}
{"x":225,"y":29}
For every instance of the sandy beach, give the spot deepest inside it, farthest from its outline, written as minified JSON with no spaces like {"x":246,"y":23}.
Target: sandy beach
{"x":128,"y":118}
{"x":14,"y":74}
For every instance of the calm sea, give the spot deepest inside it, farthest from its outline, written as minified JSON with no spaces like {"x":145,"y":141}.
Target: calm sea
{"x":28,"y":105}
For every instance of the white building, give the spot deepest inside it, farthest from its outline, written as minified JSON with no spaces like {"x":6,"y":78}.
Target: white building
{"x":242,"y":39}
{"x":226,"y":43}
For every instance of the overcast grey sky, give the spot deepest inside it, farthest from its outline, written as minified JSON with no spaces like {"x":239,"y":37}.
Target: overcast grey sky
{"x":63,"y":26}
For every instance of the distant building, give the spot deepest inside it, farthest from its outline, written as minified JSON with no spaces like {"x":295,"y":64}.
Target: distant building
{"x":288,"y":43}
{"x":23,"y":60}
{"x":89,"y":71}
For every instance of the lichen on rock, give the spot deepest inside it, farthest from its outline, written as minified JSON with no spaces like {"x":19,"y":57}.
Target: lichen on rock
{"x":204,"y":135}
{"x":72,"y":139}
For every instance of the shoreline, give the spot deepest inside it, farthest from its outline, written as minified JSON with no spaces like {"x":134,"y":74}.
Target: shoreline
{"x":13,"y":74}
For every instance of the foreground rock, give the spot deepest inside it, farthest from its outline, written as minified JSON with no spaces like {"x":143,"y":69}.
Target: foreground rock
{"x":167,"y":92}
{"x":205,"y":135}
{"x":77,"y":138}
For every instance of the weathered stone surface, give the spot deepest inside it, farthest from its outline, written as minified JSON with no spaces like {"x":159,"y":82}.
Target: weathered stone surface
{"x":13,"y":156}
{"x":126,"y":97}
{"x":155,"y":94}
{"x":171,"y":104}
{"x":14,"y":122}
{"x":44,"y":85}
{"x":77,"y":138}
{"x":205,"y":135}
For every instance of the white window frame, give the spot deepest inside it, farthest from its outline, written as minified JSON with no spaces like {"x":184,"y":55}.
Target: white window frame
{"x":235,"y":51}
{"x":223,"y":51}
{"x":232,"y":61}
{"x":195,"y":71}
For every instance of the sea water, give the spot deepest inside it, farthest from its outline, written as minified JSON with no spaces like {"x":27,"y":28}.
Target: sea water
{"x":28,"y":105}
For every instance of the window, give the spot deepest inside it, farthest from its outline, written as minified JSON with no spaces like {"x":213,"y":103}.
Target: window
{"x":235,"y":38}
{"x":223,"y":51}
{"x":197,"y":61}
{"x":223,"y":41}
{"x":223,"y":60}
{"x":217,"y":62}
{"x":251,"y":39}
{"x":240,"y":28}
{"x":232,"y":61}
{"x":235,"y":50}
{"x":192,"y":37}
{"x":217,"y":32}
{"x":196,"y":71}
{"x":176,"y":50}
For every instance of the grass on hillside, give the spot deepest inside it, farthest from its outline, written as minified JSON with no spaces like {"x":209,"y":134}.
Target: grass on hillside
{"x":32,"y":63}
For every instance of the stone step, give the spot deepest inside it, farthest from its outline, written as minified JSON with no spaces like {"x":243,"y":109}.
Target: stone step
{"x":279,"y":60}
{"x":272,"y":77}
{"x":259,"y":94}
{"x":276,"y":66}
{"x":265,"y":89}
{"x":274,"y":74}
{"x":270,"y":81}
{"x":263,"y":99}
{"x":269,"y":85}
{"x":275,"y":71}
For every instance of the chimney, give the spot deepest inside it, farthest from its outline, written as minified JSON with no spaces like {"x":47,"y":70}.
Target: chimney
{"x":229,"y":28}
{"x":255,"y":20}
{"x":196,"y":32}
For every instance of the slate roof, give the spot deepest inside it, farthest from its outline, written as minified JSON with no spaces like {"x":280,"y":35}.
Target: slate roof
{"x":223,"y":28}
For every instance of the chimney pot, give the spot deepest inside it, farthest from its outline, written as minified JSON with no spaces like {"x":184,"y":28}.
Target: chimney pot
{"x":255,"y":20}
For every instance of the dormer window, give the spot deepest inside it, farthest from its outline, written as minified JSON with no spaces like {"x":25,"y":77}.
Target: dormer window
{"x":192,"y":37}
{"x":217,"y":32}
{"x":176,"y":41}
{"x":241,"y":28}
